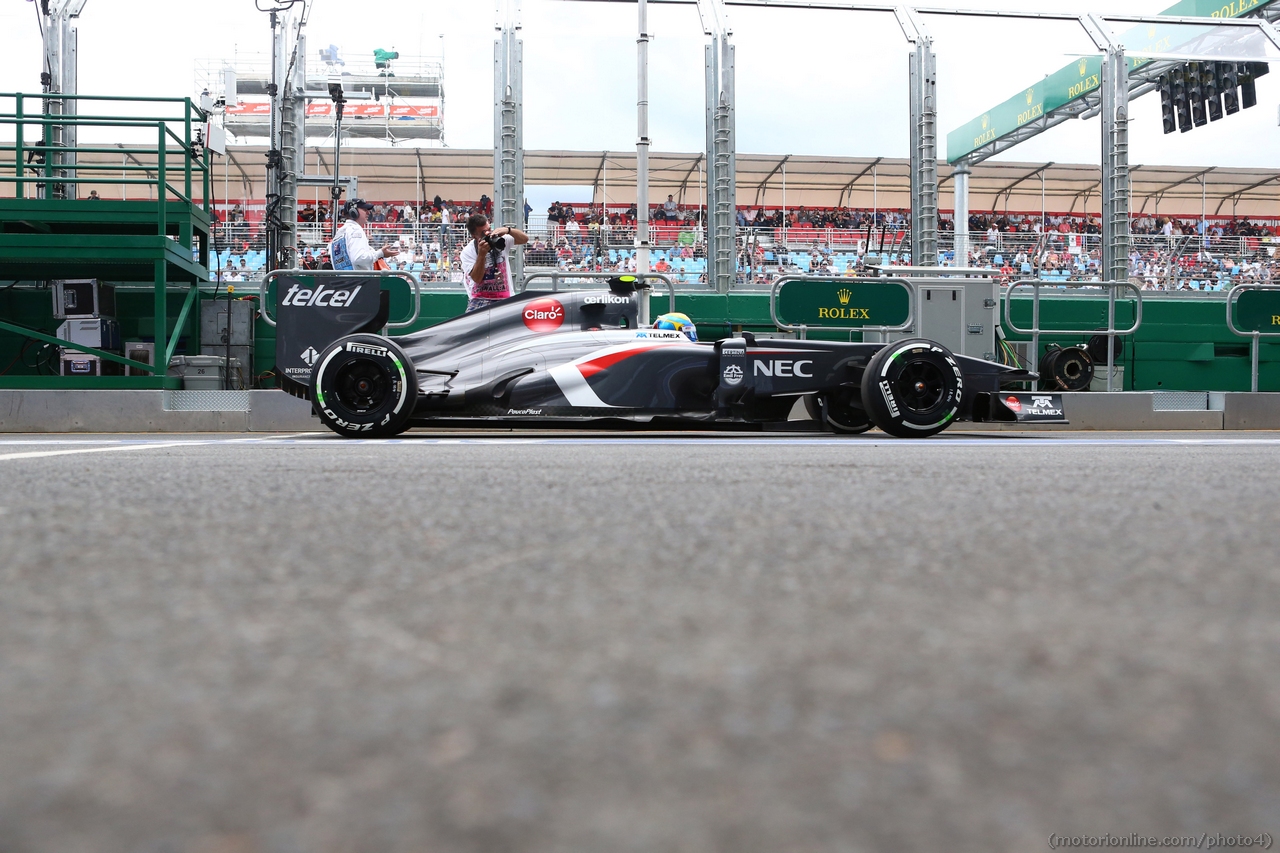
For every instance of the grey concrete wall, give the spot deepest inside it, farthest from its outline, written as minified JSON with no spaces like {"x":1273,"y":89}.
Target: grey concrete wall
{"x":1124,"y":410}
{"x":143,"y":411}
{"x":275,"y":411}
{"x":1251,"y":411}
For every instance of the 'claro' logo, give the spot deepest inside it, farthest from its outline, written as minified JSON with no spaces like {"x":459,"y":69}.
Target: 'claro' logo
{"x":543,"y":315}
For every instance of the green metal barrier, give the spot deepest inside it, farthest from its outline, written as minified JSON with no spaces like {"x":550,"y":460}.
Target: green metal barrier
{"x":46,"y":236}
{"x":1110,"y":331}
{"x":1258,"y":307}
{"x":800,"y":303}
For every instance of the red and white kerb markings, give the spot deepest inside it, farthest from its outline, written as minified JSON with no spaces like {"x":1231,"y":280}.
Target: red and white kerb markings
{"x":544,"y":315}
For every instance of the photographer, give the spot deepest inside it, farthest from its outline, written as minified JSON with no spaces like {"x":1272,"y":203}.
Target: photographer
{"x":487,"y":260}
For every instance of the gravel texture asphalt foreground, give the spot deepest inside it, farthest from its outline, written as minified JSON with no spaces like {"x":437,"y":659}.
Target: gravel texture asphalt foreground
{"x":634,"y":644}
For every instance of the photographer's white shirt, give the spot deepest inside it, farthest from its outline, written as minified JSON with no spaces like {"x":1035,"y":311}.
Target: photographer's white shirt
{"x":497,"y":276}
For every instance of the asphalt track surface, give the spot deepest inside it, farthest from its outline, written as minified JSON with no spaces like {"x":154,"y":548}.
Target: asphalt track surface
{"x":742,"y":644}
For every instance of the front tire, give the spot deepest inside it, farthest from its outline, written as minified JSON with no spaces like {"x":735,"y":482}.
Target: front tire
{"x":364,"y":386}
{"x":912,"y":388}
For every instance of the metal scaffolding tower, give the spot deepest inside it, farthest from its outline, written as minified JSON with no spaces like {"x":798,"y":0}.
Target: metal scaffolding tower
{"x":1115,"y":164}
{"x":284,"y":155}
{"x":508,"y":124}
{"x":722,"y":185}
{"x":59,"y":77}
{"x":642,"y":145}
{"x":924,"y":153}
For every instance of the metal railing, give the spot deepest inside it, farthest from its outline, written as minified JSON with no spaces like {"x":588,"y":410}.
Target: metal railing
{"x":52,"y":165}
{"x":410,"y":278}
{"x":1254,"y":335}
{"x":802,"y":329}
{"x":1111,"y":331}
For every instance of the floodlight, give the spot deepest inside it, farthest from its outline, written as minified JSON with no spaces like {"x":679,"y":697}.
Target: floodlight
{"x":335,"y":88}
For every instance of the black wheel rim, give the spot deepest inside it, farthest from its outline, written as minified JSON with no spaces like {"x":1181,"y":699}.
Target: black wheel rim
{"x":920,"y":386}
{"x":361,"y":385}
{"x":842,"y":413}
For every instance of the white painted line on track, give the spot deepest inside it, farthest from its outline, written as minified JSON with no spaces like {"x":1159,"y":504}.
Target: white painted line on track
{"x":755,"y":441}
{"x":134,"y":444}
{"x":67,"y":447}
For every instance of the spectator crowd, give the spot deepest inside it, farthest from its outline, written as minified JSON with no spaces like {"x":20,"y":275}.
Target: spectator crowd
{"x":1168,"y":253}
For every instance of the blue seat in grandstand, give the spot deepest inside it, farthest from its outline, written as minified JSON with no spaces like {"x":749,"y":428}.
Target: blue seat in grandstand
{"x":1026,"y":267}
{"x":997,"y":261}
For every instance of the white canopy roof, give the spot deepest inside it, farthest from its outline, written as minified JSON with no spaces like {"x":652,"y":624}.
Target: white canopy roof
{"x":861,"y":182}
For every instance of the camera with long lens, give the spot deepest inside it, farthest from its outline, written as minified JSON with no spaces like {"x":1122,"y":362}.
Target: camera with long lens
{"x":495,"y":242}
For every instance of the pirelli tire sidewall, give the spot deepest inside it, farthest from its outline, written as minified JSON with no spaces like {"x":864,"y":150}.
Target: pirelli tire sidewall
{"x":891,"y":376}
{"x":373,"y":357}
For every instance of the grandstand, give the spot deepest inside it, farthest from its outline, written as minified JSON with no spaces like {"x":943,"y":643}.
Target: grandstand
{"x":1193,"y":228}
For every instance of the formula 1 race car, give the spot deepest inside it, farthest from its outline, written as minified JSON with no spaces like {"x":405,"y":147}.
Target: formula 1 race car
{"x":577,"y":356}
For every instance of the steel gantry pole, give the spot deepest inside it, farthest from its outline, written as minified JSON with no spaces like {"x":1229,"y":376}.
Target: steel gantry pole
{"x":59,"y":77}
{"x":642,"y":153}
{"x":508,"y":124}
{"x":923,"y":135}
{"x":721,"y":147}
{"x":961,"y":215}
{"x":293,"y":110}
{"x":1115,"y":165}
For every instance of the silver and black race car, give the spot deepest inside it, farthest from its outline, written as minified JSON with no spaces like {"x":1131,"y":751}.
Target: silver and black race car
{"x":579,"y":356}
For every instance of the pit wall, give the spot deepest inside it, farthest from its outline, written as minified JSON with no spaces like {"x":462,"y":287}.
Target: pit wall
{"x":1183,"y":344}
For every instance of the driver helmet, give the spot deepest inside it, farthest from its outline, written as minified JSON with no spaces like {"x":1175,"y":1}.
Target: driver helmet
{"x":677,"y":322}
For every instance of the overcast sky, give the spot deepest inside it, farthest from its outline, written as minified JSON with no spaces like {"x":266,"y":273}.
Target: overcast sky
{"x":809,"y":82}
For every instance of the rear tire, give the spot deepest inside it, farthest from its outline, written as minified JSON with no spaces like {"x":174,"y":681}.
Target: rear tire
{"x":835,"y":410}
{"x":912,"y":388}
{"x":364,"y":386}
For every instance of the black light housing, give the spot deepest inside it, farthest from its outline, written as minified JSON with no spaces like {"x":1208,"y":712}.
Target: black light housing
{"x":1248,"y":72}
{"x":1229,"y":86}
{"x":1212,"y":94}
{"x":1195,"y":95}
{"x":1180,"y":105}
{"x":1167,"y":113}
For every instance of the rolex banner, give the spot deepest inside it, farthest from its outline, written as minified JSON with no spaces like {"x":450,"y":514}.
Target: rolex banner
{"x":854,"y":302}
{"x":314,"y":311}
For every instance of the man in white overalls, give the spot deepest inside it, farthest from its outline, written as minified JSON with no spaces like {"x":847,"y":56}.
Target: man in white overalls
{"x":350,"y":249}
